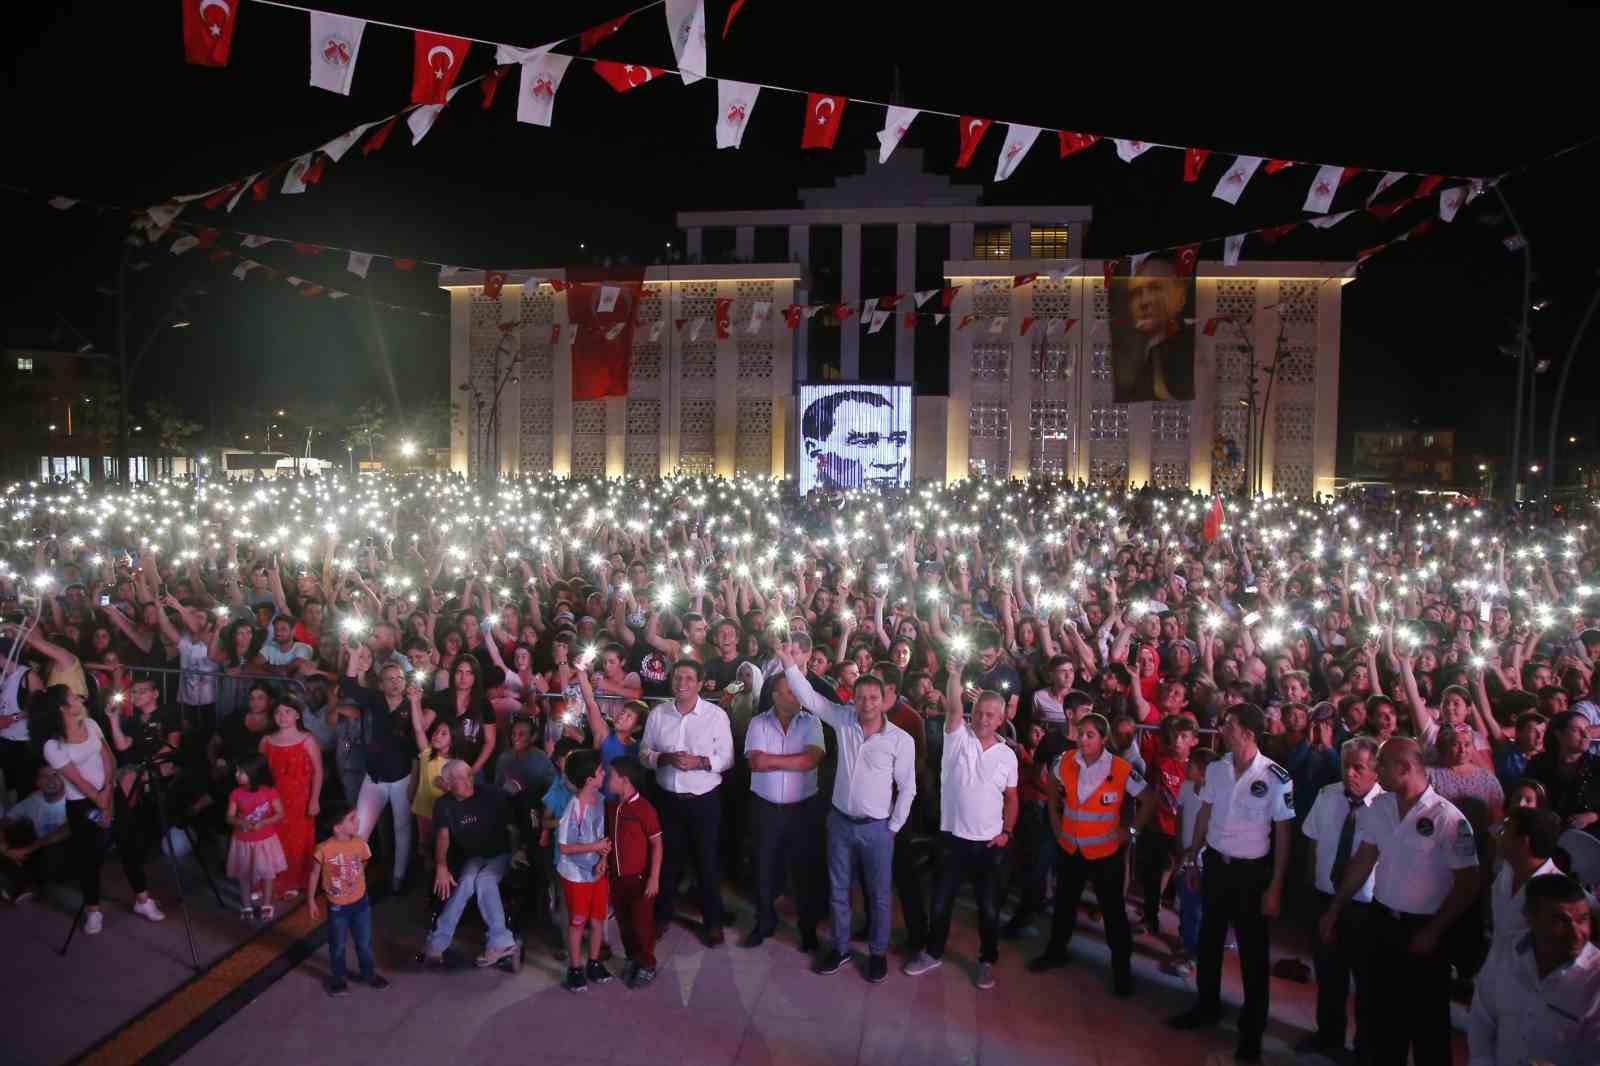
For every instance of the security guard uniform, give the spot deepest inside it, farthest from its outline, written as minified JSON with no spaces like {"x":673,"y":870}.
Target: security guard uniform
{"x":1089,"y":834}
{"x":1418,"y":856}
{"x":1245,"y":802}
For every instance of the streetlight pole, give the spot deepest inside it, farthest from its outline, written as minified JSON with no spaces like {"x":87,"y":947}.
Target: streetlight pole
{"x":1522,"y":342}
{"x":1561,"y":389}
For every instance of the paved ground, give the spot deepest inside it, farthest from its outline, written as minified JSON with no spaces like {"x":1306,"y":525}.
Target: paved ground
{"x":707,"y":1007}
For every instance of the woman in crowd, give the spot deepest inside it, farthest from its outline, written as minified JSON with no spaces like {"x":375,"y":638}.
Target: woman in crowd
{"x":296,"y":763}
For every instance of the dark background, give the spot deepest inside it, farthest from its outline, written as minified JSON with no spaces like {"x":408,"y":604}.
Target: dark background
{"x":99,"y":104}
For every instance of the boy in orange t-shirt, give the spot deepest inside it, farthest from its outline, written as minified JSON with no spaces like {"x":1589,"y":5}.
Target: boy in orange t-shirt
{"x":338,"y":865}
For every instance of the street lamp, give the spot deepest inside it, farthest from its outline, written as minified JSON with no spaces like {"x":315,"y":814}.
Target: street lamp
{"x":351,"y":450}
{"x":408,"y":448}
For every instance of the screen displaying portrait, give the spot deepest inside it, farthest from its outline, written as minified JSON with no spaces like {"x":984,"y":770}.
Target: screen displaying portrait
{"x":1152,"y":333}
{"x":854,"y":436}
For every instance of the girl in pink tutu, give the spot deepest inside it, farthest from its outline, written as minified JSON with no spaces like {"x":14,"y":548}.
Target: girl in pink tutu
{"x":255,"y":855}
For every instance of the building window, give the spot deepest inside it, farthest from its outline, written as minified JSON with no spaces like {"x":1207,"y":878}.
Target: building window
{"x":24,"y":364}
{"x":1048,"y":242}
{"x":991,"y":242}
{"x":1427,"y":440}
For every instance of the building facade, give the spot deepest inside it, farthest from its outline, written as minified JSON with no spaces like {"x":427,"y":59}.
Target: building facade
{"x":988,"y":404}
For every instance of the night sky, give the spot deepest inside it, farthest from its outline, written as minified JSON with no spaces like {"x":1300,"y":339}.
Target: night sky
{"x":100,"y":105}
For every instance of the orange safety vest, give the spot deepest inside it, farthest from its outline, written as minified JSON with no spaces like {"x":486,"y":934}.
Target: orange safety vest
{"x":1091,"y":826}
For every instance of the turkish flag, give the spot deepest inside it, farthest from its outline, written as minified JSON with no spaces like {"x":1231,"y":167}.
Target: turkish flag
{"x":625,"y":76}
{"x":595,"y":34}
{"x":1110,"y":267}
{"x":972,"y":131}
{"x":1275,"y":165}
{"x":1214,"y":520}
{"x":1188,"y":256}
{"x":377,"y":140}
{"x":966,"y":320}
{"x":1272,"y":233}
{"x":722,"y":309}
{"x":791,"y":315}
{"x":843,"y":311}
{"x":1020,"y":280}
{"x":208,"y":31}
{"x":1193,"y":160}
{"x":493,"y":281}
{"x":1430,"y":183}
{"x":823,"y":113}
{"x":947,"y":296}
{"x":491,"y":83}
{"x":438,"y":63}
{"x":216,"y":199}
{"x":603,"y":340}
{"x":909,"y":320}
{"x":1075,"y":142}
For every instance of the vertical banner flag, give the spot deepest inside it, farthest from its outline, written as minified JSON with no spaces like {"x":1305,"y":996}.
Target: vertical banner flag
{"x":735,"y":101}
{"x":1231,"y":246}
{"x":1194,"y":160}
{"x":1323,"y":189}
{"x":335,"y":41}
{"x":359,"y":263}
{"x":1128,"y":151}
{"x":895,"y":123}
{"x":972,"y":131}
{"x":1152,"y":333}
{"x":686,"y":23}
{"x":603,"y":339}
{"x":1231,"y":185}
{"x":436,"y":67}
{"x":1018,"y":140}
{"x":823,"y":113}
{"x":541,"y":74}
{"x":208,"y":31}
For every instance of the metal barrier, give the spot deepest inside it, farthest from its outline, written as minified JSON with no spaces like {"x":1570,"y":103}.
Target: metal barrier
{"x":171,"y":680}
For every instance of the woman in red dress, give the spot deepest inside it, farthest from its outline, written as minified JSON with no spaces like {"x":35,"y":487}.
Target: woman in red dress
{"x":297,"y":767}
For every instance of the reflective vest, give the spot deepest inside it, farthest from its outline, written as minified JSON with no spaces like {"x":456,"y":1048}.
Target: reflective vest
{"x":1091,"y":826}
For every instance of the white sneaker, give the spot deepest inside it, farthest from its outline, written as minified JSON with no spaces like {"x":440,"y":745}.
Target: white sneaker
{"x":93,"y":922}
{"x":148,"y":909}
{"x":920,"y":964}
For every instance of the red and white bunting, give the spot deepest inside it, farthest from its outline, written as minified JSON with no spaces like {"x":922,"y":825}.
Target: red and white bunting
{"x":1231,"y":246}
{"x":1450,"y":202}
{"x":1329,"y":221}
{"x":896,"y":121}
{"x":336,"y":148}
{"x":972,"y":131}
{"x":359,"y":263}
{"x":437,"y":60}
{"x":736,"y":100}
{"x":1385,"y":182}
{"x":686,"y":26}
{"x":869,"y":307}
{"x":922,"y":296}
{"x":539,"y":76}
{"x":758,"y":315}
{"x":1072,"y":143}
{"x":1324,"y":186}
{"x":1194,"y":160}
{"x":1231,"y":185}
{"x":939,"y":317}
{"x":1128,"y":151}
{"x":1018,"y":140}
{"x":244,"y":267}
{"x":823,"y":114}
{"x":294,"y":179}
{"x":625,"y":76}
{"x":878,"y":320}
{"x":335,"y":43}
{"x":208,"y":31}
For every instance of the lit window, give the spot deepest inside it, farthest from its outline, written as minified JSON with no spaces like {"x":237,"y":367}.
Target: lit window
{"x":991,"y":242}
{"x":1048,"y":242}
{"x":1427,"y":440}
{"x":24,"y":364}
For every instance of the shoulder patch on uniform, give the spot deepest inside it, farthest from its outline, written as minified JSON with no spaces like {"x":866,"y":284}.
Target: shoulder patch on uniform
{"x":1279,"y":772}
{"x":1463,"y":828}
{"x":1134,"y":774}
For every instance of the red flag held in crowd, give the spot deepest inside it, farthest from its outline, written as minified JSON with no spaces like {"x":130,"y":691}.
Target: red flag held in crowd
{"x":208,"y":31}
{"x":1214,"y":520}
{"x":438,"y":64}
{"x":823,"y":113}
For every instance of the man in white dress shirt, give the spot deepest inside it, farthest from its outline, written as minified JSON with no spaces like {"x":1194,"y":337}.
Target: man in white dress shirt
{"x":689,"y":744}
{"x":1331,"y":827}
{"x":1427,"y":876}
{"x":783,"y":747}
{"x":1528,"y":838}
{"x":1537,"y":1001}
{"x":872,"y":794}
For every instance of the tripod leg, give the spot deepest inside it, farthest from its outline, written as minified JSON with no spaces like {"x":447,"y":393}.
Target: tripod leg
{"x":163,"y":828}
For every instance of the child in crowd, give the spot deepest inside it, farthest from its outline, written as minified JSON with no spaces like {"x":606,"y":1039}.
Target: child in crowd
{"x":581,"y":850}
{"x":338,"y":865}
{"x":552,"y":806}
{"x":1181,"y":964}
{"x":635,"y":865}
{"x":425,"y":781}
{"x":1178,"y":735}
{"x":255,"y":855}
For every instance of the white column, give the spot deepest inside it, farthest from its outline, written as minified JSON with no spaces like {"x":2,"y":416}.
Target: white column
{"x":725,"y":431}
{"x":905,"y":279}
{"x":1089,"y":331}
{"x":1141,"y":419}
{"x":616,"y":435}
{"x":1203,"y":412}
{"x":850,"y":293}
{"x":561,"y":392}
{"x":509,"y":421}
{"x":958,"y":446}
{"x":671,"y":343}
{"x":799,"y":252}
{"x":1324,"y":433}
{"x":1266,"y":339}
{"x":1021,"y":245}
{"x":460,"y":374}
{"x":782,"y":378}
{"x":1020,"y":402}
{"x":744,"y":243}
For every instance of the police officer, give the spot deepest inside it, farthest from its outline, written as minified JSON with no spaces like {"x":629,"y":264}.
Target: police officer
{"x":1086,"y":810}
{"x":1426,"y":879}
{"x":1246,"y":814}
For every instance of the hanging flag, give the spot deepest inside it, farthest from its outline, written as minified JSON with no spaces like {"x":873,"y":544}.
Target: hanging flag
{"x":696,"y":324}
{"x":1323,"y":188}
{"x":998,"y":323}
{"x":1188,"y":259}
{"x":1273,"y":233}
{"x":1231,"y":185}
{"x":1385,"y":182}
{"x":843,"y":311}
{"x":625,"y":76}
{"x":1135,"y":261}
{"x":437,"y":65}
{"x":721,"y":309}
{"x":655,"y":329}
{"x":922,"y":296}
{"x":1275,"y":165}
{"x":313,"y":172}
{"x":909,"y":320}
{"x":560,"y":286}
{"x":1329,"y":221}
{"x":336,"y":148}
{"x":686,"y":25}
{"x":252,"y":240}
{"x":216,"y":199}
{"x":244,"y":187}
{"x":493,"y":282}
{"x":1450,"y":202}
{"x":1023,"y":279}
{"x":294,"y":177}
{"x":791,"y":316}
{"x":1430,"y":183}
{"x":595,"y":34}
{"x":540,"y":76}
{"x":735,"y":101}
{"x":1128,"y":151}
{"x":823,"y":113}
{"x":244,"y":267}
{"x":185,"y":243}
{"x":1231,"y":247}
{"x":311,"y":290}
{"x":1210,"y":327}
{"x":1027,"y":324}
{"x":379,"y":139}
{"x":359,"y":263}
{"x":1215,"y":518}
{"x":733,"y":9}
{"x":888,"y":302}
{"x":868,"y":307}
{"x":489,"y":85}
{"x":1109,"y":269}
{"x":972,"y":131}
{"x":306,"y":249}
{"x":758,"y":315}
{"x":896,"y":120}
{"x":208,"y":31}
{"x":966,"y":320}
{"x":947,"y":296}
{"x":1386,"y":210}
{"x":1018,"y":140}
{"x":939,"y":317}
{"x":1072,"y":143}
{"x":62,"y":203}
{"x":878,"y":319}
{"x":335,"y":294}
{"x":680,"y":323}
{"x":1194,"y":159}
{"x":405,"y":264}
{"x":608,"y":299}
{"x":335,"y":41}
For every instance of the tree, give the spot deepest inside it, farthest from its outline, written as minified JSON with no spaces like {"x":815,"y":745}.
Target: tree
{"x":365,"y":425}
{"x":430,"y":425}
{"x":171,"y":429}
{"x":97,"y":414}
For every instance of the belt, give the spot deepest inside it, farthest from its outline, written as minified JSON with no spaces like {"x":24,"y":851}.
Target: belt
{"x":1400,"y":916}
{"x":792,"y":803}
{"x":1230,"y":859}
{"x":853,"y":820}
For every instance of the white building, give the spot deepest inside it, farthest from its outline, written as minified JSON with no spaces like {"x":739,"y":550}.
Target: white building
{"x":1013,"y":404}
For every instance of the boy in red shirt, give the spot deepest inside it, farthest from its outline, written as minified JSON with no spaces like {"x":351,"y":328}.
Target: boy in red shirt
{"x":1158,"y":842}
{"x":634,"y":865}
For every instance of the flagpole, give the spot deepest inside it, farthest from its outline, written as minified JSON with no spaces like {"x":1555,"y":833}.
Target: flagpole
{"x":1522,"y":345}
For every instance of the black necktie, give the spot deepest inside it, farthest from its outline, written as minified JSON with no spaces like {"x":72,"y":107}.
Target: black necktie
{"x":1347,"y":840}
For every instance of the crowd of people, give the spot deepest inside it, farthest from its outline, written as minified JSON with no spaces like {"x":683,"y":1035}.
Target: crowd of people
{"x":1372,"y":720}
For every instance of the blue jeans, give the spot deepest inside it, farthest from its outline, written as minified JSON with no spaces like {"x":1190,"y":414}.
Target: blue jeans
{"x":478,"y":878}
{"x":872,"y":845}
{"x":353,"y":920}
{"x":1190,"y":909}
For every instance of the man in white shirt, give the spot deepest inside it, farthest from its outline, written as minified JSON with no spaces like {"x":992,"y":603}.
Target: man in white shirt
{"x":977,"y":812}
{"x":1528,"y":838}
{"x":783,"y":747}
{"x":1426,"y":879}
{"x":1245,"y":820}
{"x":33,"y":838}
{"x":689,"y":744}
{"x":1538,"y":997}
{"x":18,"y":760}
{"x":1331,"y":826}
{"x":872,"y":794}
{"x":282,"y":649}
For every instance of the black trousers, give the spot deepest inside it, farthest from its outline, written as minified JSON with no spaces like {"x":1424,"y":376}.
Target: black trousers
{"x":967,"y":860}
{"x":1338,"y":964}
{"x":1036,"y":854}
{"x":1421,"y":982}
{"x":86,"y":845}
{"x":1073,"y":872}
{"x":787,"y":844}
{"x":690,"y":832}
{"x":908,"y":889}
{"x":1151,"y":858}
{"x":19,"y":765}
{"x":1232,"y":891}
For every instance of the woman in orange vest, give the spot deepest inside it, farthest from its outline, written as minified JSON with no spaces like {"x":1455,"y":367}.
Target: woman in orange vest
{"x":1086,"y":807}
